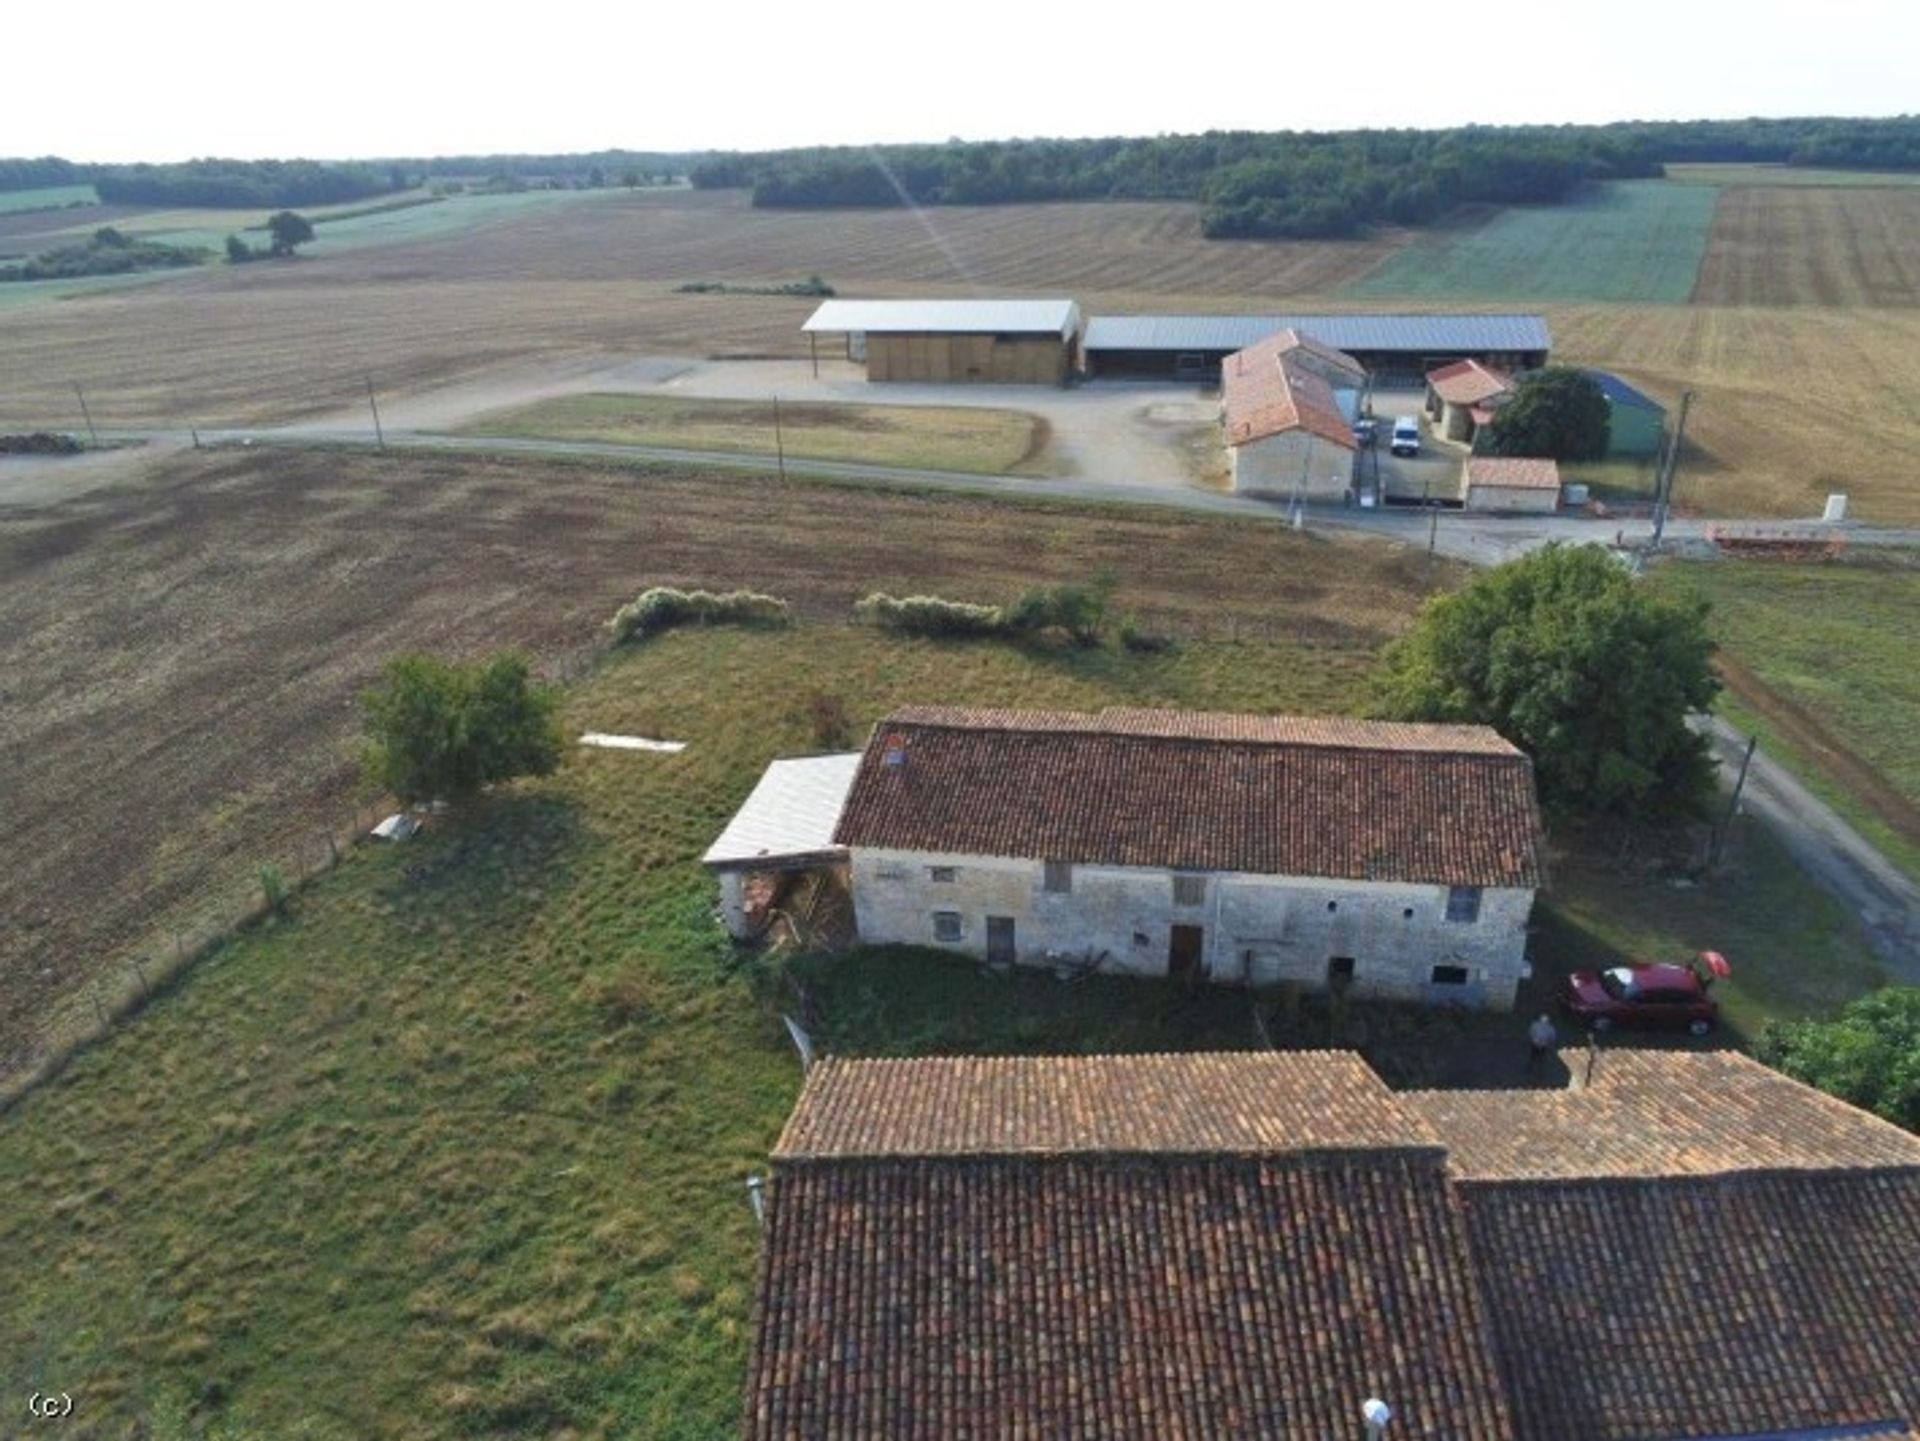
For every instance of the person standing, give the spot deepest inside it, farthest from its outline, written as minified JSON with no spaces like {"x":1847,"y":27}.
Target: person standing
{"x":1542,"y":1038}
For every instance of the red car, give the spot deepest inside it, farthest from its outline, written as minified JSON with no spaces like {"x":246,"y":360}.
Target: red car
{"x":1651,"y":994}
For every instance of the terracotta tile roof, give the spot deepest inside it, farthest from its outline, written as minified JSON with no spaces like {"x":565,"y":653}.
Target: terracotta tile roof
{"x":1341,"y":800}
{"x":1292,"y":342}
{"x":1260,"y":1103}
{"x":1702,"y":1306}
{"x":1468,"y":382}
{"x":1656,"y":1114}
{"x":1120,"y":1298}
{"x":1511,"y":473}
{"x":1265,"y":390}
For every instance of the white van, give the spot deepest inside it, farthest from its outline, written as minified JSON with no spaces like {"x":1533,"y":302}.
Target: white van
{"x":1406,"y":435}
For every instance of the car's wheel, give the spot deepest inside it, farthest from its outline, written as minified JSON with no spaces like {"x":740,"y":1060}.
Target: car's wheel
{"x":1600,"y":1024}
{"x":1699,"y":1028}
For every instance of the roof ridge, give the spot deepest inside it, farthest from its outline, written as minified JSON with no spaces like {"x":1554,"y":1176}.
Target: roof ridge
{"x":1411,"y":733}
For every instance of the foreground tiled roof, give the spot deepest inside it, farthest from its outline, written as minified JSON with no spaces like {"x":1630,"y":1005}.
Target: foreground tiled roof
{"x":1336,"y":799}
{"x":1263,"y":1103}
{"x":1129,"y":1299}
{"x":1657,"y":1113}
{"x":1264,"y":391}
{"x":1702,"y":1306}
{"x":1512,"y":473}
{"x":1468,"y":382}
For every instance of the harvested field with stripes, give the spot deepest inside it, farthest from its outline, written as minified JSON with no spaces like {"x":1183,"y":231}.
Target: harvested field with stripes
{"x":1808,"y":245}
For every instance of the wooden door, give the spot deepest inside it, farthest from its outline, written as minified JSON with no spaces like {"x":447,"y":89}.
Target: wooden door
{"x":1000,"y":945}
{"x":1186,"y":949}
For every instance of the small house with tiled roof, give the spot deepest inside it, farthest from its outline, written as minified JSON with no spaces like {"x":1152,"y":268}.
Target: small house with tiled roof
{"x":1462,"y":397}
{"x":1672,"y":1245}
{"x":1510,"y":483}
{"x":1386,"y":859}
{"x":1287,"y":404}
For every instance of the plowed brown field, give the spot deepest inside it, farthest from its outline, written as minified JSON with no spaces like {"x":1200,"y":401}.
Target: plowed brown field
{"x":1806,"y":245}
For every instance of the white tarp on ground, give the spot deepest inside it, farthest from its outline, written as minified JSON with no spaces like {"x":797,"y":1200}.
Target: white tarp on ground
{"x":631,"y":743}
{"x":792,"y":811}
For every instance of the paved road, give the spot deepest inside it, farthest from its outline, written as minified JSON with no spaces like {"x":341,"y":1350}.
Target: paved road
{"x":1843,"y":861}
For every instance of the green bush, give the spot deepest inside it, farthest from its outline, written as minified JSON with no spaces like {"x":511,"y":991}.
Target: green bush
{"x":662,"y":608}
{"x":1079,"y":610}
{"x":929,"y":615}
{"x":1869,"y":1054}
{"x":1140,"y":641}
{"x":442,"y":730}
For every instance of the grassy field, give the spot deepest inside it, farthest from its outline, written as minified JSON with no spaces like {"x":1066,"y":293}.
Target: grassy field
{"x":1633,"y":241}
{"x":183,"y":653}
{"x":458,"y":1148}
{"x":46,"y":198}
{"x":1820,"y":663}
{"x":1807,"y":246}
{"x":991,"y":442}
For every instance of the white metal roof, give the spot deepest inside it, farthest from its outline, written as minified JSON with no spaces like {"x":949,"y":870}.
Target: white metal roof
{"x":1422,"y":333}
{"x":791,"y":812}
{"x":931,"y":317}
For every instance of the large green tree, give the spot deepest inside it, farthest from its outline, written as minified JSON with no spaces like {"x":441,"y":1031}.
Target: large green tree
{"x":288,"y":230}
{"x":1557,"y":413}
{"x":441,"y":730}
{"x":1590,"y":673}
{"x":1869,"y":1054}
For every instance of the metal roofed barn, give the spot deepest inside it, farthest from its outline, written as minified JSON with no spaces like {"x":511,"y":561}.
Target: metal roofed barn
{"x":1192,"y":346}
{"x":1008,"y":342}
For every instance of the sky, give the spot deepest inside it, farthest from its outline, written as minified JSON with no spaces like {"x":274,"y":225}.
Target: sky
{"x":350,"y":78}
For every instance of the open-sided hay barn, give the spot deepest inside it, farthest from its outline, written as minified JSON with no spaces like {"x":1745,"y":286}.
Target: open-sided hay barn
{"x":1391,"y":347}
{"x":1001,"y":342}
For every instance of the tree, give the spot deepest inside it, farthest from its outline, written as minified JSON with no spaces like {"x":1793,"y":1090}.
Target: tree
{"x":1588,"y":672}
{"x":1869,"y":1054}
{"x":1557,"y":413}
{"x":439,"y":730}
{"x":238,"y":251}
{"x":288,"y":230}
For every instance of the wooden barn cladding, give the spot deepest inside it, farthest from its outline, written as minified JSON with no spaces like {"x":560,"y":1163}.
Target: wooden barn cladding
{"x":1059,"y":1105}
{"x":1140,"y":1297}
{"x":1269,"y":795}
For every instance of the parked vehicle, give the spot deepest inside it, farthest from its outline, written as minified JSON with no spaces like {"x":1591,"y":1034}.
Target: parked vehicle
{"x":1363,"y":433}
{"x":1406,"y":436}
{"x":1651,"y":994}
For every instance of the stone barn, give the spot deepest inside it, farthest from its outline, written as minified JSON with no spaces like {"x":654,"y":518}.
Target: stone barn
{"x":1462,"y":398}
{"x":1382,"y":859}
{"x":948,"y":342}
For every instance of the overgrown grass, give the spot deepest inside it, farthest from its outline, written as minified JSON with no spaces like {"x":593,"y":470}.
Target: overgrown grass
{"x":925,"y":437}
{"x":47,"y":197}
{"x":457,"y":1146}
{"x":1837,"y":643}
{"x":1631,"y":241}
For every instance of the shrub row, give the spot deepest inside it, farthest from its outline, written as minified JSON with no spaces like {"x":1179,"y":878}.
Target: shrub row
{"x":662,"y":608}
{"x":930,"y":615}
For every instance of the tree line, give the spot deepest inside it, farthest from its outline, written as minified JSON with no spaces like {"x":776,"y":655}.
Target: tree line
{"x":1295,"y":183}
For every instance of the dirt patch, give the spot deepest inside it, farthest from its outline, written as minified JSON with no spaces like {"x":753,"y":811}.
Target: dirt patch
{"x":1801,"y":729}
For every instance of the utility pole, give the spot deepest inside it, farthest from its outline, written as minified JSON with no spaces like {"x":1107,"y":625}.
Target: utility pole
{"x":1663,"y":484}
{"x":779,"y":442}
{"x":1733,"y":804}
{"x":379,"y":435}
{"x":86,"y":414}
{"x":1433,"y":524}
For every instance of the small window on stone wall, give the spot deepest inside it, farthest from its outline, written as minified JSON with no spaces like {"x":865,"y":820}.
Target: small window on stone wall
{"x":1332,"y":906}
{"x":1056,"y":876}
{"x":1140,"y":938}
{"x":1450,"y":975}
{"x":1463,"y":903}
{"x":946,"y":925}
{"x":1189,"y":890}
{"x":943,"y":874}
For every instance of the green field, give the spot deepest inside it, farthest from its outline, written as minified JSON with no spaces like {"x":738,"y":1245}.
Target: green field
{"x":1833,"y":648}
{"x":1631,"y":242}
{"x":46,"y":198}
{"x":924,"y":437}
{"x":458,"y":1147}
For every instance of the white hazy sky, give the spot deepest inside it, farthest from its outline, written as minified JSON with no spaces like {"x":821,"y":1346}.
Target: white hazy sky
{"x":353,"y":78}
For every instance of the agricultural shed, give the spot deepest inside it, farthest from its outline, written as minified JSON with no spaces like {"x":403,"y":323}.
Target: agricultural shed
{"x":1498,"y":482}
{"x":1288,"y":404}
{"x":785,"y":828}
{"x":1463,"y":396}
{"x":1636,"y":421}
{"x":1395,"y":349}
{"x":941,"y":342}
